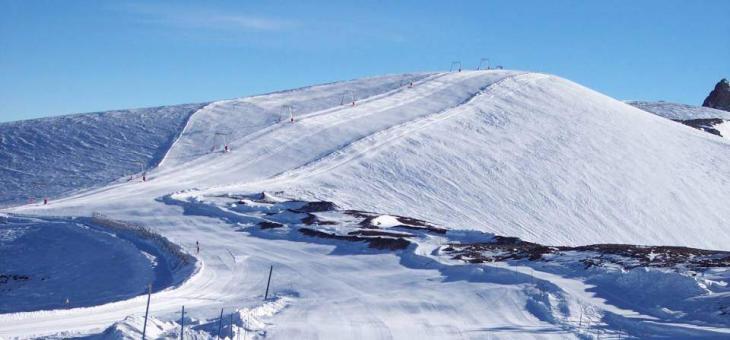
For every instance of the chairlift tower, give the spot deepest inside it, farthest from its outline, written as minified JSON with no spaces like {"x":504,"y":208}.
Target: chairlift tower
{"x":348,"y":95}
{"x":221,"y":135}
{"x":481,"y":62}
{"x":288,"y":110}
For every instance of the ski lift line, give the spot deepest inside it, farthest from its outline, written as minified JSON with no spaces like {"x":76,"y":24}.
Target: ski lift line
{"x":311,"y":168}
{"x":345,"y":119}
{"x":259,"y":133}
{"x":429,"y":78}
{"x":455,"y":63}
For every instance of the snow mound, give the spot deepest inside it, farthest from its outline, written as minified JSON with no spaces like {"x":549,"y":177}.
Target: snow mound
{"x":248,"y":323}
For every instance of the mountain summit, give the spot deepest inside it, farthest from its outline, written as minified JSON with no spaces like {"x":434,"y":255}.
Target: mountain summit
{"x":719,"y":98}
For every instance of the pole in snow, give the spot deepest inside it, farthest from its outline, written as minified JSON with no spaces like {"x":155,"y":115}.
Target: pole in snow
{"x":147,"y":311}
{"x":266,"y":296}
{"x":143,"y":171}
{"x":580,"y":321}
{"x":182,"y":322}
{"x":231,"y":326}
{"x":220,"y":324}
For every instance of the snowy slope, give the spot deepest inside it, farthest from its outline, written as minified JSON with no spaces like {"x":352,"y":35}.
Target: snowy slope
{"x":229,"y":120}
{"x":49,"y":157}
{"x":540,"y":158}
{"x":515,"y":153}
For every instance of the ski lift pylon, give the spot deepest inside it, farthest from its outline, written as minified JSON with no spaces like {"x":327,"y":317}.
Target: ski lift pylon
{"x":351,"y":97}
{"x":287,"y":110}
{"x":481,"y":62}
{"x":221,"y":136}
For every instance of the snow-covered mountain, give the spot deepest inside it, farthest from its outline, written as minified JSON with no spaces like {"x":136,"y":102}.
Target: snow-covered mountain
{"x":676,"y":111}
{"x":476,"y":153}
{"x":707,"y":119}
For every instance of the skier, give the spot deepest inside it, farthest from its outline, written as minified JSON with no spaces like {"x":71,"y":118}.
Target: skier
{"x":144,"y":177}
{"x":45,"y":201}
{"x":225,"y":149}
{"x":197,"y":247}
{"x":410,"y":85}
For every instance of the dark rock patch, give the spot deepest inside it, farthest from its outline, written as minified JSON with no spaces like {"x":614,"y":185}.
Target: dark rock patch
{"x":704,"y":124}
{"x":320,"y":206}
{"x":269,"y":225}
{"x":383,"y":243}
{"x":5,"y":278}
{"x":313,"y":219}
{"x":359,"y":213}
{"x":628,"y":256}
{"x":371,"y":232}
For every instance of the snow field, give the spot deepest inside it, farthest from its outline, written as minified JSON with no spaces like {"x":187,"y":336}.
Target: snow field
{"x":510,"y":153}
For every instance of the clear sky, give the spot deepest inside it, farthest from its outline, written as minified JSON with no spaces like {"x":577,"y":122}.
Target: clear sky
{"x":60,"y":57}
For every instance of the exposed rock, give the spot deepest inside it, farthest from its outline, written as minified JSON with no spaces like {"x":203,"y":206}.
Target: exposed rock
{"x":719,"y":98}
{"x":269,"y":225}
{"x":705,"y":124}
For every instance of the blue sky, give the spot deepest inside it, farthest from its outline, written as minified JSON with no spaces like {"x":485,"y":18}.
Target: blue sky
{"x":60,"y":57}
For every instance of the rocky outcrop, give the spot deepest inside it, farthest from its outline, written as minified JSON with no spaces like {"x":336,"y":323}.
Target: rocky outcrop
{"x":719,"y":98}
